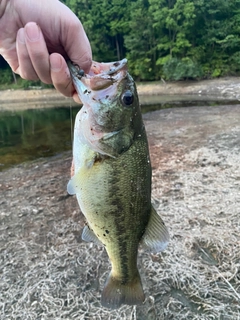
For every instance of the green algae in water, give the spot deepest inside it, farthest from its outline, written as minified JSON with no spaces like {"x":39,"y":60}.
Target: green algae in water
{"x":31,"y":134}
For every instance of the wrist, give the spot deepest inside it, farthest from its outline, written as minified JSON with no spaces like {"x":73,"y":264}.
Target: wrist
{"x":3,"y":6}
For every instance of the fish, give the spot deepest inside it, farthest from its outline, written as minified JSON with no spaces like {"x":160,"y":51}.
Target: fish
{"x":111,"y":177}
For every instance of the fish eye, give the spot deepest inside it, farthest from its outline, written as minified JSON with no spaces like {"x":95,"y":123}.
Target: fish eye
{"x":81,"y":73}
{"x":127,"y":98}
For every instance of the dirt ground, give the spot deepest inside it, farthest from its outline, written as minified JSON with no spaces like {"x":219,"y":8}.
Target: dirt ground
{"x":217,"y":89}
{"x":47,"y":272}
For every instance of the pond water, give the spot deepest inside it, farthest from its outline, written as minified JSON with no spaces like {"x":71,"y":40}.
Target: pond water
{"x":35,"y":133}
{"x":30,"y":134}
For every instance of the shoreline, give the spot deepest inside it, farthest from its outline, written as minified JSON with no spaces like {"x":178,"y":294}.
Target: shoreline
{"x":195,"y":188}
{"x":217,"y":89}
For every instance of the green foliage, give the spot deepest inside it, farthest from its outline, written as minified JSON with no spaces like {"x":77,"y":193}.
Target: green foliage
{"x":235,"y":62}
{"x":173,"y":39}
{"x":106,"y":23}
{"x":172,"y":21}
{"x":141,"y":42}
{"x":180,"y":69}
{"x":6,"y":76}
{"x":10,"y":80}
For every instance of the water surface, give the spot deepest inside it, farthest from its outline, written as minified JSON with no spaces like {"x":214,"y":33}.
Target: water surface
{"x":30,"y":134}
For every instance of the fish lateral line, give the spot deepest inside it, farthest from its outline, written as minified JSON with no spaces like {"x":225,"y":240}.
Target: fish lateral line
{"x":112,"y":177}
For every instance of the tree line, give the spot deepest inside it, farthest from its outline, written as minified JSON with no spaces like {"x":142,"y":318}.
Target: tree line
{"x":164,"y":39}
{"x":169,"y":39}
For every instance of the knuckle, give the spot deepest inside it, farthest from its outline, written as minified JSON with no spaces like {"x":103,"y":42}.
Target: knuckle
{"x":28,"y":75}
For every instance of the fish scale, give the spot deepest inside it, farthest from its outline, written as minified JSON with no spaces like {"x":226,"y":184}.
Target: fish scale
{"x":112,"y":177}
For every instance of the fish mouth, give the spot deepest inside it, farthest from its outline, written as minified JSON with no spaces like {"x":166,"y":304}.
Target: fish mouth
{"x":99,"y":92}
{"x":102,"y":79}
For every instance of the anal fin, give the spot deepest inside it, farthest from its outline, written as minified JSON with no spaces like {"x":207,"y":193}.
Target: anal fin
{"x":156,"y":236}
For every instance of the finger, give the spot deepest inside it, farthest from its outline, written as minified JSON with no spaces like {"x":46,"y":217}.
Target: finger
{"x":38,"y":52}
{"x":24,"y":67}
{"x":79,"y":50}
{"x":76,"y":98}
{"x":60,"y":75}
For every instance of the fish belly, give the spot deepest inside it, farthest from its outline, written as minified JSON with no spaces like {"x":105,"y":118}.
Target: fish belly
{"x":115,"y":197}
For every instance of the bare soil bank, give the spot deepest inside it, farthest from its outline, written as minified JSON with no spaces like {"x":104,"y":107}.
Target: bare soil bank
{"x":47,"y":272}
{"x":224,"y":88}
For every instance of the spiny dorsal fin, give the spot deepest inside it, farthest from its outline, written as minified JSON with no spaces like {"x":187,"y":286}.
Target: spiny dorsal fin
{"x":89,"y":236}
{"x":156,"y":236}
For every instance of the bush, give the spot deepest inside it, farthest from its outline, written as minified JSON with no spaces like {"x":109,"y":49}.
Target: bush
{"x":181,"y":69}
{"x":6,"y":76}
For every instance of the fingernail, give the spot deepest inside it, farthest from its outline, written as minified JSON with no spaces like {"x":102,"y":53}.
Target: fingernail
{"x":33,"y":31}
{"x":55,"y":63}
{"x":21,"y":35}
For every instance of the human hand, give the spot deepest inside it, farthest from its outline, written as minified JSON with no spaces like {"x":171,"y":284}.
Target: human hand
{"x":37,"y":36}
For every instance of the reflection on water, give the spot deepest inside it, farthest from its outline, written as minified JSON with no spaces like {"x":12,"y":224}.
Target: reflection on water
{"x":30,"y":134}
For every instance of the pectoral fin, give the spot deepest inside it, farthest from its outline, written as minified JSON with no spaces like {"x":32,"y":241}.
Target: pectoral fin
{"x":73,"y":185}
{"x":89,"y":236}
{"x":156,"y":236}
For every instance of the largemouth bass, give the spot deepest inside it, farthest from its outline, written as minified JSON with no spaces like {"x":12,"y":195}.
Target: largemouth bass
{"x":112,"y":176}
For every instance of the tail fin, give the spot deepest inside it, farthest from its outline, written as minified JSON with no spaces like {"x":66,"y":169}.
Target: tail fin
{"x":115,"y":293}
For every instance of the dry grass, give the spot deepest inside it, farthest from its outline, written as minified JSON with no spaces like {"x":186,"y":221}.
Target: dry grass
{"x":47,"y":272}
